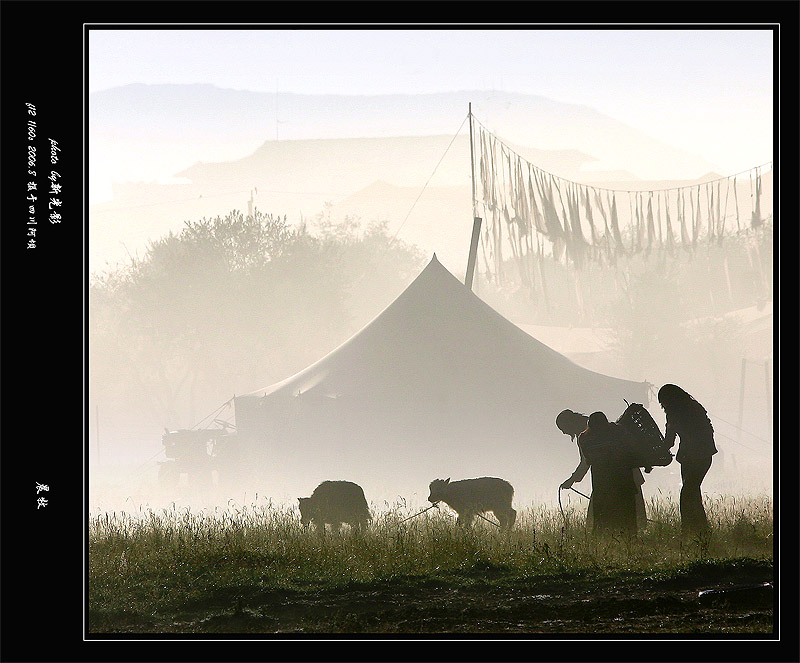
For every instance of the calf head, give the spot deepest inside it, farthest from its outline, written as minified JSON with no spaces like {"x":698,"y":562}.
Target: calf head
{"x":307,"y":510}
{"x":438,"y":489}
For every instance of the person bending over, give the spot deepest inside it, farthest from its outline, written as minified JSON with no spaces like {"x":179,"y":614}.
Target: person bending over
{"x":573,"y":424}
{"x":613,"y":487}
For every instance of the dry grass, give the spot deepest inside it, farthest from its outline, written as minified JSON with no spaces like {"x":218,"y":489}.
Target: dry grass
{"x":155,"y":561}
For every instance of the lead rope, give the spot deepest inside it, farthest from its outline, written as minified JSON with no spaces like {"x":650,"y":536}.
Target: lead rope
{"x":432,"y":506}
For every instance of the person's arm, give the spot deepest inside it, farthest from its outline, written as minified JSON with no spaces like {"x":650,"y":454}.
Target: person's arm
{"x":578,"y":474}
{"x":670,"y":433}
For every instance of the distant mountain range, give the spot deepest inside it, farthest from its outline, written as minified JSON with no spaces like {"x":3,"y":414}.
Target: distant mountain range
{"x":330,"y":148}
{"x":223,"y":123}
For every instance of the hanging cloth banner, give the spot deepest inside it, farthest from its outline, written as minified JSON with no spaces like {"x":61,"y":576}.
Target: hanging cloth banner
{"x":670,"y":240}
{"x":756,"y":219}
{"x":637,"y":230}
{"x":682,"y":219}
{"x":710,"y":198}
{"x":538,"y":215}
{"x":587,"y":206}
{"x":725,"y":207}
{"x":615,"y":225}
{"x":520,"y":199}
{"x":651,"y":228}
{"x":523,"y":218}
{"x":554,"y":227}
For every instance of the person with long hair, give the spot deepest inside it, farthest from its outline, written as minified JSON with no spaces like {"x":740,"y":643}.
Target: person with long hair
{"x":687,"y":419}
{"x":573,"y":424}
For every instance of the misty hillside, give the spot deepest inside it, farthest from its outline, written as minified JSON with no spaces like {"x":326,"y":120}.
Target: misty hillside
{"x":171,"y":153}
{"x":204,"y":122}
{"x":344,"y":165}
{"x":370,"y":179}
{"x":299,"y":177}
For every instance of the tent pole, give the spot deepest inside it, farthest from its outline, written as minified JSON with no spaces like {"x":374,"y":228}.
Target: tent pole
{"x":473,"y":251}
{"x":476,"y":220}
{"x":472,"y":162}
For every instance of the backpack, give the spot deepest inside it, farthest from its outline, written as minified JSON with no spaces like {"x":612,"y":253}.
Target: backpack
{"x":644,"y":437}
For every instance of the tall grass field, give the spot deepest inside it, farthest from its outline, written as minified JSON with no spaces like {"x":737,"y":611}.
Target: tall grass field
{"x":255,"y":568}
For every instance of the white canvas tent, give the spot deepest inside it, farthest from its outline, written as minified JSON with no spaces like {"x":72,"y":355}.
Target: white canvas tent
{"x":438,"y":384}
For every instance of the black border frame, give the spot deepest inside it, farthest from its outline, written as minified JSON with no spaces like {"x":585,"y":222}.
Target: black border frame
{"x":43,"y":296}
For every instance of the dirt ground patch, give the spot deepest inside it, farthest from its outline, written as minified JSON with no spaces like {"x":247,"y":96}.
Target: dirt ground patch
{"x":547,"y":605}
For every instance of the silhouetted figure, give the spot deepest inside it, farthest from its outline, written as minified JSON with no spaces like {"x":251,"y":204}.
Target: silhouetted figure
{"x":613,"y":486}
{"x":573,"y":424}
{"x":688,"y":419}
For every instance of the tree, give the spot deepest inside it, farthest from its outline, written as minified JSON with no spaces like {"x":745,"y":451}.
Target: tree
{"x":231,"y":304}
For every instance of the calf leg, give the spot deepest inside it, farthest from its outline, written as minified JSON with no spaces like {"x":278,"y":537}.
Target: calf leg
{"x":465,"y":519}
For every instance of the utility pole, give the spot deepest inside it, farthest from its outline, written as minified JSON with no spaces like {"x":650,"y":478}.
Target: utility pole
{"x":741,"y":399}
{"x":769,"y":396}
{"x":97,"y":431}
{"x":250,"y":203}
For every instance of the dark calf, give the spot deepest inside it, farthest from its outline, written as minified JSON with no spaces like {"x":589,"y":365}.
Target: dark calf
{"x":333,"y":503}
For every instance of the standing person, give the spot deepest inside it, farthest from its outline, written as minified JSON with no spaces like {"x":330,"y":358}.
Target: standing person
{"x":689,"y":420}
{"x":573,"y":424}
{"x":613,"y":487}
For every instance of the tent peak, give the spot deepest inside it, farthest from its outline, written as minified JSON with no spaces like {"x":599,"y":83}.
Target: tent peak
{"x":435,"y":261}
{"x":434,"y":267}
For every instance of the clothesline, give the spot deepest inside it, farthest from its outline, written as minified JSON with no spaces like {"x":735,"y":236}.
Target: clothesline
{"x":524,"y":204}
{"x":590,"y":186}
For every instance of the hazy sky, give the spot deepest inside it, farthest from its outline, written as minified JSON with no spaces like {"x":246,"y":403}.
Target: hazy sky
{"x":706,"y":91}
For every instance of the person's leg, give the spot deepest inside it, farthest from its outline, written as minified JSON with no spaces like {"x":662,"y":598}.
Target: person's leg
{"x":693,"y":515}
{"x":599,"y":502}
{"x":703,"y":470}
{"x":641,"y":512}
{"x":690,"y":494}
{"x":629,"y":491}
